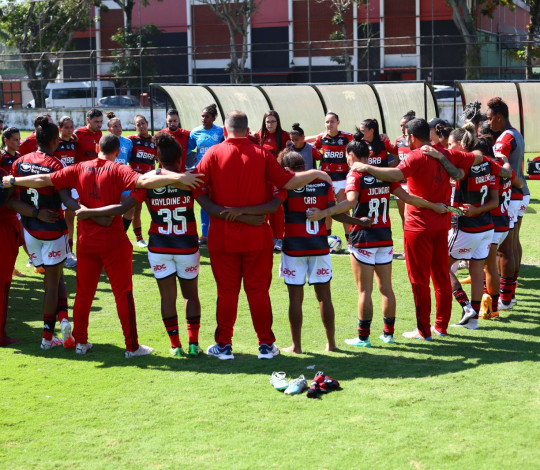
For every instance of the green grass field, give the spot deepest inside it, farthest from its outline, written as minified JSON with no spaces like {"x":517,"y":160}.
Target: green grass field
{"x":469,"y":400}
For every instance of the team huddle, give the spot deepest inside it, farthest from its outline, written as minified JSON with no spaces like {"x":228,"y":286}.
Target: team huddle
{"x":460,"y":193}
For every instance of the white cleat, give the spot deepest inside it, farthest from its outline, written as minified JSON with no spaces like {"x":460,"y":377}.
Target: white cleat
{"x":142,"y":351}
{"x":472,"y":324}
{"x":142,"y":244}
{"x":83,"y":348}
{"x":468,"y":313}
{"x":53,"y":343}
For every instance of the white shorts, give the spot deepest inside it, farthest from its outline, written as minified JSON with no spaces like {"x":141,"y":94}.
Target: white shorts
{"x":74,"y":195}
{"x":166,"y":264}
{"x":499,"y":238}
{"x":523,"y":206}
{"x":338,"y":186}
{"x":295,"y":269}
{"x":46,"y":252}
{"x":513,"y":210}
{"x":465,"y":245}
{"x":373,"y":256}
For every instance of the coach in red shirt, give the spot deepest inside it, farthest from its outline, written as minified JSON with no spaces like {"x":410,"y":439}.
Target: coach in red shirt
{"x":236,"y":174}
{"x":425,"y":231}
{"x":180,"y":135}
{"x":100,"y":182}
{"x":88,"y":136}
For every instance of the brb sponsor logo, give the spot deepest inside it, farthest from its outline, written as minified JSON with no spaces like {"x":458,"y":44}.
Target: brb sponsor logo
{"x":54,"y":254}
{"x":289,"y":272}
{"x":145,"y":155}
{"x":158,"y":267}
{"x":323,"y":272}
{"x":191,"y":269}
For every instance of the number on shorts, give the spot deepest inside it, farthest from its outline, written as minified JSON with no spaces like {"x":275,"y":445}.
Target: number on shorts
{"x":374,"y":205}
{"x":506,"y":201}
{"x":484,"y":192}
{"x":312,"y":227}
{"x":34,"y":196}
{"x":176,"y":223}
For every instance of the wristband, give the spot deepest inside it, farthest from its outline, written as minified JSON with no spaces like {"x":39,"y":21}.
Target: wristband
{"x":12,"y":181}
{"x":35,"y":213}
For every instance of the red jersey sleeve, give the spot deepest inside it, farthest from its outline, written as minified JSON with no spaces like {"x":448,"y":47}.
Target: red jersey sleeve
{"x":274,"y":173}
{"x":496,"y":167}
{"x":139,"y":194}
{"x":505,"y":145}
{"x":352,"y":182}
{"x":280,"y":194}
{"x":318,"y":144}
{"x":394,"y":185}
{"x":463,"y":160}
{"x":331,"y":196}
{"x":66,"y":178}
{"x":390,"y":147}
{"x":315,"y":153}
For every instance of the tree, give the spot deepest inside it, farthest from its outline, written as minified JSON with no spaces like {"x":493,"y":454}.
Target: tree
{"x":341,"y":8}
{"x":532,"y":51}
{"x":41,"y":32}
{"x":465,"y":14}
{"x":237,"y":15}
{"x":127,"y":7}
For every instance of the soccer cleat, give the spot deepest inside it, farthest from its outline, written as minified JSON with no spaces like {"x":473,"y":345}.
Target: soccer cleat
{"x":224,"y":353}
{"x":70,"y":263}
{"x":400,"y":256}
{"x":415,"y":334}
{"x":142,"y":351}
{"x":486,"y":309}
{"x":69,"y":341}
{"x":268,"y":351}
{"x":296,"y":386}
{"x":436,"y":332}
{"x":177,"y":352}
{"x":278,"y":244}
{"x":468,"y":313}
{"x":39,"y":270}
{"x":53,"y":343}
{"x":388,"y":339}
{"x":16,"y":272}
{"x":278,"y":381}
{"x":467,"y":280}
{"x":142,"y":244}
{"x":472,"y":324}
{"x":83,"y":348}
{"x":194,"y":350}
{"x":358,"y":342}
{"x":503,"y":306}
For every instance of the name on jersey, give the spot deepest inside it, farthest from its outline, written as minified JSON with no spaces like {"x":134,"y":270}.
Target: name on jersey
{"x":142,"y":155}
{"x":171,"y":201}
{"x":482,"y":179}
{"x":377,"y":191}
{"x":334,"y":154}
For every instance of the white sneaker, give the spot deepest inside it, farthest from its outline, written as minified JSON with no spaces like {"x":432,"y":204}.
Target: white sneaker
{"x":268,"y":351}
{"x":472,"y":324}
{"x":53,"y":343}
{"x":142,"y":351}
{"x":502,"y":306}
{"x":468,"y":313}
{"x":83,"y":348}
{"x":142,"y":244}
{"x":278,"y":244}
{"x":70,"y":263}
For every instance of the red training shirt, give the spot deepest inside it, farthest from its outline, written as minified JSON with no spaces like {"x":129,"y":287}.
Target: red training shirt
{"x":87,"y":144}
{"x":29,"y":144}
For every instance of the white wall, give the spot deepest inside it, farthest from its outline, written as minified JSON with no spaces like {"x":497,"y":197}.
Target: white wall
{"x":24,"y":118}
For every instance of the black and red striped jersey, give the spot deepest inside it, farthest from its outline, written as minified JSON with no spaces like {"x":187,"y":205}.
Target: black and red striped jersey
{"x":66,"y":152}
{"x":402,"y":146}
{"x":378,"y":155}
{"x":173,"y":228}
{"x":334,"y":155}
{"x":373,"y":202}
{"x":302,"y":236}
{"x":501,"y":219}
{"x":143,"y":155}
{"x":474,"y":190}
{"x":6,"y":160}
{"x":39,"y":163}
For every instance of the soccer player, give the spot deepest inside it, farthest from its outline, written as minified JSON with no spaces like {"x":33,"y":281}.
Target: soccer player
{"x":180,"y":135}
{"x":88,"y":136}
{"x":100,"y":182}
{"x":173,"y":250}
{"x":426,"y":232}
{"x":46,"y":242}
{"x":371,"y":242}
{"x":470,"y":238}
{"x":65,"y":152}
{"x":298,"y":143}
{"x":11,"y":141}
{"x":510,"y":143}
{"x":332,"y":144}
{"x":29,"y":144}
{"x":143,"y":160}
{"x":379,"y":144}
{"x":237,"y":173}
{"x":202,"y":138}
{"x":274,"y":139}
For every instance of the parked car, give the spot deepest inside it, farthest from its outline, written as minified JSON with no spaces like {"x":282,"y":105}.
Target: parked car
{"x":117,"y":101}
